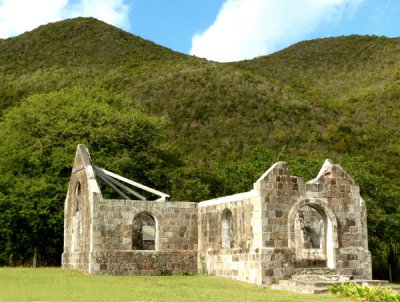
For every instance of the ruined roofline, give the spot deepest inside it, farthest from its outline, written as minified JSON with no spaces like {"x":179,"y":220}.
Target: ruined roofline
{"x":328,"y":169}
{"x":83,"y":153}
{"x":325,"y":170}
{"x":276,"y":165}
{"x":244,"y":195}
{"x":116,"y":182}
{"x":230,"y":198}
{"x":119,"y":183}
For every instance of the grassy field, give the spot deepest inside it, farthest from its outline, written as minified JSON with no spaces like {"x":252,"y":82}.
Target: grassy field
{"x":55,"y":284}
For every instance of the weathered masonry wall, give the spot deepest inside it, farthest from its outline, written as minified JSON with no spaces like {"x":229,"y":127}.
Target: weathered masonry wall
{"x":260,"y":236}
{"x":144,"y":263}
{"x":239,"y":255}
{"x":279,"y":192}
{"x":342,"y":195}
{"x":175,"y":238}
{"x":98,"y":233}
{"x":82,"y":194}
{"x":268,"y":243}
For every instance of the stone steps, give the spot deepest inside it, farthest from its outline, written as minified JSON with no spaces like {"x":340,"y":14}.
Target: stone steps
{"x":305,"y":287}
{"x":320,"y":287}
{"x":330,"y":278}
{"x":314,"y":271}
{"x":318,"y":281}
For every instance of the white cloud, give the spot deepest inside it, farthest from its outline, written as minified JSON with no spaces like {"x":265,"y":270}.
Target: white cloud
{"x":18,"y":16}
{"x":245,"y":29}
{"x":111,"y":11}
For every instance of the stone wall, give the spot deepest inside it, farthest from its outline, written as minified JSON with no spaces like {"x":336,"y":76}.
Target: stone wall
{"x":342,"y":194}
{"x":242,"y":260}
{"x":175,"y":240}
{"x":176,"y":224}
{"x":144,"y":263}
{"x":98,"y":233}
{"x":279,"y":192}
{"x":82,"y":193}
{"x":277,"y":264}
{"x":256,"y":236}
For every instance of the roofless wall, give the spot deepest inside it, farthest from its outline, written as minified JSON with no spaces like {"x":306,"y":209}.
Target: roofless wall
{"x":257,"y":236}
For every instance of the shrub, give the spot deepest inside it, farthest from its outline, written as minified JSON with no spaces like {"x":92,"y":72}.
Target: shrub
{"x":366,"y":293}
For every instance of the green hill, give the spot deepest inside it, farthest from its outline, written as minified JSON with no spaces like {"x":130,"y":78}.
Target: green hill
{"x":65,"y":53}
{"x":357,"y":79}
{"x":195,"y":94}
{"x":335,"y":97}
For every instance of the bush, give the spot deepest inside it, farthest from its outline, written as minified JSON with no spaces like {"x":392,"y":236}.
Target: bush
{"x":366,"y":293}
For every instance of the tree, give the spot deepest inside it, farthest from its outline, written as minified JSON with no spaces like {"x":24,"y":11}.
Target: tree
{"x":383,"y":205}
{"x":38,"y":143}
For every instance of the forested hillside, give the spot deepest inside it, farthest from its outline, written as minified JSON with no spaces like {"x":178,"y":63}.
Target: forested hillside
{"x":220,"y":125}
{"x":357,"y":79}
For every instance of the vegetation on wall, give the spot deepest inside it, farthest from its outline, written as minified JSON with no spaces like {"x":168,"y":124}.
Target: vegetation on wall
{"x":207,"y":129}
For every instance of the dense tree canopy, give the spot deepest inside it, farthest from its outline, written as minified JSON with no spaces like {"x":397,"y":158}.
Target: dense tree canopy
{"x":39,"y":139}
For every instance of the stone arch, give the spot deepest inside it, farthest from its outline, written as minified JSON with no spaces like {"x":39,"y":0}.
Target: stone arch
{"x":329,"y":219}
{"x":144,"y":231}
{"x":226,"y":229}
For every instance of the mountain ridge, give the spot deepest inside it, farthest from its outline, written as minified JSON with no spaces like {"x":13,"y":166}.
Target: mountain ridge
{"x":306,"y":98}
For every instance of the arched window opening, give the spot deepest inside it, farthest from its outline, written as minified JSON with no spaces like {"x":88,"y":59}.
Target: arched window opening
{"x":78,"y":197}
{"x":226,"y":229}
{"x":77,"y":219}
{"x":143,"y":232}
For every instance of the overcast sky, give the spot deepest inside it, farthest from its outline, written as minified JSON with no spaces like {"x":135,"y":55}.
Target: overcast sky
{"x":220,"y":30}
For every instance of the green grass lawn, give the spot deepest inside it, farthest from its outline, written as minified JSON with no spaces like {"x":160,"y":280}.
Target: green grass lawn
{"x":55,"y":284}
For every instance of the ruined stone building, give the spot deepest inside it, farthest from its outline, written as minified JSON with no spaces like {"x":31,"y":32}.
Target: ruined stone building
{"x":258,"y":236}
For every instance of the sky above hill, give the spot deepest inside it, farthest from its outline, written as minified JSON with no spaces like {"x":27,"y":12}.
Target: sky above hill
{"x":219,"y":30}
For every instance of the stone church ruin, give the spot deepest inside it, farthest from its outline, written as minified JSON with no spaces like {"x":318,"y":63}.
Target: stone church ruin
{"x":260,"y":236}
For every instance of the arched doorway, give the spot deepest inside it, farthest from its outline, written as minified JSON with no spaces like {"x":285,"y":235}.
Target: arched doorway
{"x":143,"y":232}
{"x":313,"y":233}
{"x":310,"y":237}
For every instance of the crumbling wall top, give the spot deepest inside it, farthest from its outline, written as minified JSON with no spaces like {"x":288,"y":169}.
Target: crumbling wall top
{"x":331,"y":170}
{"x":82,"y":161}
